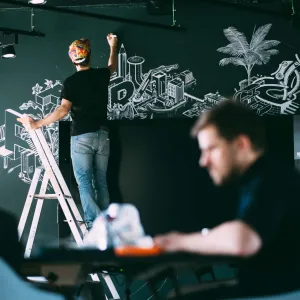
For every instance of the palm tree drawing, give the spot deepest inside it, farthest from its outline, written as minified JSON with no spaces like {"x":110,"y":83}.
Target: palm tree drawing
{"x":258,"y":52}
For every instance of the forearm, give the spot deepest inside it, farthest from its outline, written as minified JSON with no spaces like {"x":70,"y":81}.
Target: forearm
{"x":58,"y":114}
{"x":222,"y":240}
{"x":112,"y":61}
{"x":206,"y":245}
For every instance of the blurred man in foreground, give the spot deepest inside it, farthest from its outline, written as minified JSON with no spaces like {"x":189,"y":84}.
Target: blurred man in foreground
{"x":266,"y":228}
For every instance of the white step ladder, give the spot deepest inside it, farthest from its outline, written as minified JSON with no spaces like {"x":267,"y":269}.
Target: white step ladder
{"x":51,"y":174}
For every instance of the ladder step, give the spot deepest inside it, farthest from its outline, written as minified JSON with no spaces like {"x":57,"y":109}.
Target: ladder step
{"x":78,"y":221}
{"x":50,"y":196}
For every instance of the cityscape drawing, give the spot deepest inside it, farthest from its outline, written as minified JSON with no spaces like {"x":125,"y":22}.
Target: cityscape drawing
{"x":17,"y":151}
{"x":164,"y":91}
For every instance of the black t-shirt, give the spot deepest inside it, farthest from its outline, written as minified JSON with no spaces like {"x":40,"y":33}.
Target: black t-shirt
{"x":88,"y":92}
{"x":269,"y":202}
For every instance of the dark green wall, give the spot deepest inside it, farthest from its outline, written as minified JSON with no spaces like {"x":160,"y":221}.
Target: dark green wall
{"x":42,"y":59}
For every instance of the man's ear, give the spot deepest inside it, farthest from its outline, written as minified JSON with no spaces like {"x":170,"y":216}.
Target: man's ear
{"x":243,"y":142}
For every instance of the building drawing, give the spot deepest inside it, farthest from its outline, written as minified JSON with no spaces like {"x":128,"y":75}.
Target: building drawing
{"x":122,"y":62}
{"x":164,"y":91}
{"x":17,"y":152}
{"x":136,"y":94}
{"x":176,"y":90}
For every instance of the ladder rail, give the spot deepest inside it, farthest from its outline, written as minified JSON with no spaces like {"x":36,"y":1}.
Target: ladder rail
{"x":36,"y":217}
{"x":60,"y":178}
{"x":28,"y":201}
{"x":63,"y":196}
{"x":58,"y":175}
{"x":56,"y":186}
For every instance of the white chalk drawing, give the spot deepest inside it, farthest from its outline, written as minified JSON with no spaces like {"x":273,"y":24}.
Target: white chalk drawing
{"x":164,"y":91}
{"x":17,"y":150}
{"x":167,"y":92}
{"x":160,"y":91}
{"x":247,"y":55}
{"x":273,"y":94}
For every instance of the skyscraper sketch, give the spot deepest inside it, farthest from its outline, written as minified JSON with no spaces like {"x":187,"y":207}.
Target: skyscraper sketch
{"x":16,"y":148}
{"x":122,"y":62}
{"x":136,"y":70}
{"x":163,"y":91}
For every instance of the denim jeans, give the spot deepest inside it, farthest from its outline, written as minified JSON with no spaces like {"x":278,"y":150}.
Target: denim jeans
{"x":90,"y":153}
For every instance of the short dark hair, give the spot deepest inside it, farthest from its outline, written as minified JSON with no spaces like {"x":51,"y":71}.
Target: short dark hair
{"x":231,"y":120}
{"x":86,"y":62}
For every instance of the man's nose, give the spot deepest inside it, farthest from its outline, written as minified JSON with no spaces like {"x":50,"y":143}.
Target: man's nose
{"x":203,"y":160}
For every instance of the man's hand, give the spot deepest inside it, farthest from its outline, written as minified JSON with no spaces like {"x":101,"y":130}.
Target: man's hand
{"x":170,"y":242}
{"x":28,"y":122}
{"x":112,"y":61}
{"x":112,"y":40}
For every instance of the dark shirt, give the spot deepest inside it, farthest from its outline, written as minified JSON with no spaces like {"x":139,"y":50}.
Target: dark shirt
{"x":269,"y":202}
{"x":88,"y":92}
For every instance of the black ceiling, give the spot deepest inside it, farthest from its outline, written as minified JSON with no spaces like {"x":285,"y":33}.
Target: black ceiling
{"x":278,"y":7}
{"x":68,"y":3}
{"x":97,"y":2}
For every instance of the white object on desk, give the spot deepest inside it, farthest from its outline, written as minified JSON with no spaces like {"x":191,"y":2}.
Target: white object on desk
{"x":119,"y":225}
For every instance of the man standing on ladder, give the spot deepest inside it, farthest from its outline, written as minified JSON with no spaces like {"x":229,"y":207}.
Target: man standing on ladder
{"x":85,"y":93}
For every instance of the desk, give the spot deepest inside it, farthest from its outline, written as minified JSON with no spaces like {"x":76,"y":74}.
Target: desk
{"x":71,"y":267}
{"x":141,"y":267}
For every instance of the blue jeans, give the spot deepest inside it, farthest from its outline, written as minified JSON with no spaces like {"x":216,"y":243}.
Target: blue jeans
{"x":90,"y":153}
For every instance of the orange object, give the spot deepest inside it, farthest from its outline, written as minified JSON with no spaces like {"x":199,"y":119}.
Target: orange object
{"x":137,"y":251}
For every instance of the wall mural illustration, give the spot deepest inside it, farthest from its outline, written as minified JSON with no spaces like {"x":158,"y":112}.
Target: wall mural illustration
{"x":167,"y":92}
{"x":164,"y":91}
{"x":16,"y":148}
{"x":160,"y":91}
{"x":274,"y":94}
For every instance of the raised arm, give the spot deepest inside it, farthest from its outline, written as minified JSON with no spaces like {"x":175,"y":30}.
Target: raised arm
{"x":112,"y":61}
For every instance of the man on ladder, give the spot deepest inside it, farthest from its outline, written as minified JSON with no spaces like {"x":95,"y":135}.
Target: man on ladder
{"x":85,"y":93}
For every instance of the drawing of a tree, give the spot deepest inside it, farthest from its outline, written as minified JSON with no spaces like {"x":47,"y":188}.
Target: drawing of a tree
{"x":257,"y":52}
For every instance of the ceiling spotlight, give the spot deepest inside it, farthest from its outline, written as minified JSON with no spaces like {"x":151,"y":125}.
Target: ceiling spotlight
{"x":37,"y":1}
{"x":8,"y":52}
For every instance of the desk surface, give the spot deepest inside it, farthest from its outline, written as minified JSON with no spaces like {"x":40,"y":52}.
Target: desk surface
{"x":137,"y":267}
